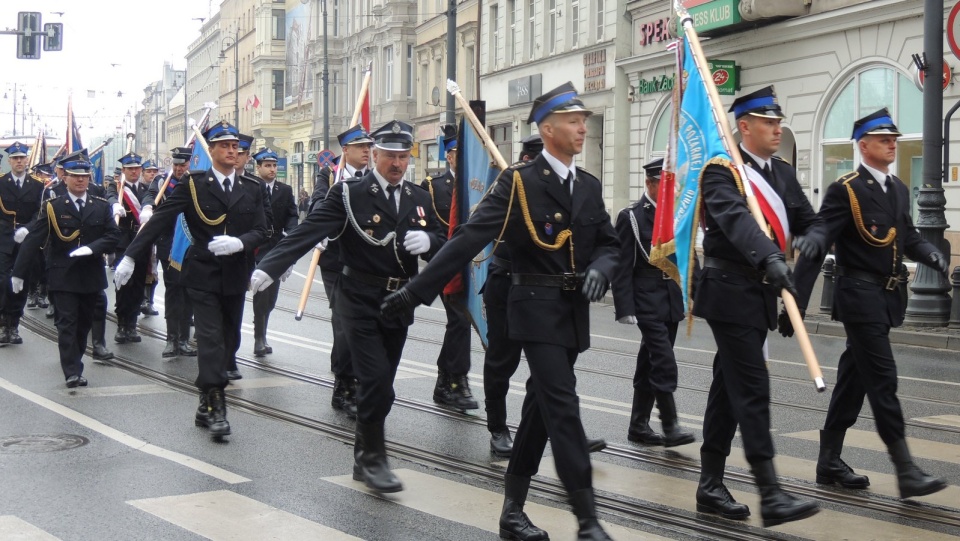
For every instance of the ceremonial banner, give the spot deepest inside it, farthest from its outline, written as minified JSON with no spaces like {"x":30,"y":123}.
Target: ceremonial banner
{"x":96,"y":161}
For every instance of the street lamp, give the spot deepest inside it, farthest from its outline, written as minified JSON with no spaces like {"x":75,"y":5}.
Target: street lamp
{"x":15,"y":107}
{"x":236,"y":71}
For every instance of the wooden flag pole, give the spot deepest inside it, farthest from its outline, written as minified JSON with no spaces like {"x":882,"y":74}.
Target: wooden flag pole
{"x":454,"y":89}
{"x":193,"y":136}
{"x":726,"y":135}
{"x":315,"y":260}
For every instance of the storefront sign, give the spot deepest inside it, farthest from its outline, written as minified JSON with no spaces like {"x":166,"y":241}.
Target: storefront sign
{"x":654,"y":31}
{"x":524,"y":89}
{"x":282,"y":169}
{"x":726,"y":75}
{"x":296,"y":158}
{"x":657,"y":84}
{"x":595,"y":71}
{"x":716,"y":14}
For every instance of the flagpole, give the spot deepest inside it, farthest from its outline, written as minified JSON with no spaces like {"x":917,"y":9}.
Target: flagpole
{"x":192,"y":138}
{"x":454,"y":89}
{"x":315,"y":260}
{"x":726,"y":136}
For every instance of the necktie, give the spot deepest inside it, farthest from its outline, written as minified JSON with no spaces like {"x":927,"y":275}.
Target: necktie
{"x":18,"y":184}
{"x":392,"y":197}
{"x":767,"y":174}
{"x":226,"y":185}
{"x":358,"y":173}
{"x":891,"y":193}
{"x":80,"y":205}
{"x":568,"y":183}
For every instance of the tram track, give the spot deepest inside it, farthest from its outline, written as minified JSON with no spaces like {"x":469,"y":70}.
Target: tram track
{"x":638,"y":512}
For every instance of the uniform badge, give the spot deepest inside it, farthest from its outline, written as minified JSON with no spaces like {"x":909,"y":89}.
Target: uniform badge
{"x":548,"y":228}
{"x":422,"y":215}
{"x":376,"y":218}
{"x":546,"y":171}
{"x":369,"y":232}
{"x":558,"y":217}
{"x":873,"y":230}
{"x":375,"y":189}
{"x":869,"y":181}
{"x":406,"y":190}
{"x":448,"y":181}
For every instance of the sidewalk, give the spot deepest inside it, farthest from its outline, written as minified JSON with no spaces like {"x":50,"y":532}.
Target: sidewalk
{"x":819,"y":322}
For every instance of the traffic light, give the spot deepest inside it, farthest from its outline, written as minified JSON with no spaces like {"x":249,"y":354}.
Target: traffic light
{"x":53,"y":36}
{"x":28,"y":42}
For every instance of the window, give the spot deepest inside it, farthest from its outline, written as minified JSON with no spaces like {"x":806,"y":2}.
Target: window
{"x":502,"y":135}
{"x":279,"y":24}
{"x":471,"y":72}
{"x":336,"y":18}
{"x":552,"y":26}
{"x":864,"y":93}
{"x":409,"y":74}
{"x":334,"y":87}
{"x":388,"y":73}
{"x":277,"y":90}
{"x":661,"y":133}
{"x":601,"y":18}
{"x":514,"y":15}
{"x":575,"y":24}
{"x":495,"y":36}
{"x":531,"y":29}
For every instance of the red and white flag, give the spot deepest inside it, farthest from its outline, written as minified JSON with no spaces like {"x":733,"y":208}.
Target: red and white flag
{"x":771,"y":205}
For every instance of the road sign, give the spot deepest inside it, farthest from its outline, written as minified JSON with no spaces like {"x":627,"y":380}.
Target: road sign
{"x":325,"y":158}
{"x":953,"y":29}
{"x":28,"y":42}
{"x":946,"y":73}
{"x":53,"y":37}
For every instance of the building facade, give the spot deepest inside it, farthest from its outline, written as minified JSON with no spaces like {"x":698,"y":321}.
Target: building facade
{"x":203,"y":71}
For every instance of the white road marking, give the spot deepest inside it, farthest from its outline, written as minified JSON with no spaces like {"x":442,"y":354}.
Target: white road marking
{"x":15,"y":529}
{"x":123,"y":438}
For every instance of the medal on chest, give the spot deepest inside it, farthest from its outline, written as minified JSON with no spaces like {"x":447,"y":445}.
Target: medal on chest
{"x":423,"y":216}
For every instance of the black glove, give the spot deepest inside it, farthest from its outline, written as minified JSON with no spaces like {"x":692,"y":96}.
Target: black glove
{"x":937,"y":261}
{"x":778,"y":273}
{"x":595,"y":285}
{"x":398,"y":303}
{"x":784,"y":325}
{"x":811,"y":246}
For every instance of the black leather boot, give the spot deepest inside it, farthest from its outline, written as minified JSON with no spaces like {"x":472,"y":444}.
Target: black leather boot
{"x":132,"y":334}
{"x":831,"y":468}
{"x":42,"y":296}
{"x":259,"y":336}
{"x":146,"y":307}
{"x":13,"y":327}
{"x":202,"y":418}
{"x":596,"y":445}
{"x":776,"y":506}
{"x":51,"y":311}
{"x":370,"y":464}
{"x":586,"y":512}
{"x":514,"y":523}
{"x":217,"y":403}
{"x":712,"y":495}
{"x":121,"y":337}
{"x":341,"y":400}
{"x":640,"y":431}
{"x":173,"y":338}
{"x":910,"y":478}
{"x":98,"y":337}
{"x":266,"y":323}
{"x":501,"y":443}
{"x":5,"y":335}
{"x":673,"y":435}
{"x":33,"y":297}
{"x":453,"y":391}
{"x":183,"y":345}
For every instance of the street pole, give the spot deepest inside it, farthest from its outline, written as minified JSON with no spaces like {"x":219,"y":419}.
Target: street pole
{"x":14,"y":109}
{"x":236,"y":75}
{"x":930,"y":303}
{"x":23,"y":116}
{"x":325,"y":77}
{"x":451,"y":56}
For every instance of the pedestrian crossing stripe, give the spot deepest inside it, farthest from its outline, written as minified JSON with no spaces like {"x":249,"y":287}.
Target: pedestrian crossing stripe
{"x":863,"y":439}
{"x":480,"y":508}
{"x":225,"y":515}
{"x":681,"y":494}
{"x":943,"y":420}
{"x":15,"y":529}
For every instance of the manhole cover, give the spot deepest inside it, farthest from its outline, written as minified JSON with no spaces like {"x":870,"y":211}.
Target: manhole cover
{"x":40,"y":443}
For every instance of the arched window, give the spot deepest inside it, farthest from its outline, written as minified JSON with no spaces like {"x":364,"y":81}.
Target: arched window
{"x":866,"y":91}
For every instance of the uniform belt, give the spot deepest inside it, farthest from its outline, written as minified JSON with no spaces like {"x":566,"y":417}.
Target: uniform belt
{"x":500,"y":262}
{"x":652,"y":273}
{"x":390,"y":284}
{"x":730,"y":266}
{"x":567,"y":281}
{"x":886,"y":282}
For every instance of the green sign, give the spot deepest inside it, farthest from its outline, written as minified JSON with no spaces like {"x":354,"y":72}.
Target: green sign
{"x":726,"y":75}
{"x":657,"y":84}
{"x":716,"y":14}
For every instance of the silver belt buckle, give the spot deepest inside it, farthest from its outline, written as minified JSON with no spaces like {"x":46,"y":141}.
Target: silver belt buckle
{"x":892,"y":283}
{"x":393,"y":284}
{"x":569,"y":281}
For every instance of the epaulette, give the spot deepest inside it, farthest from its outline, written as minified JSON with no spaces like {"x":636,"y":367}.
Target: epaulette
{"x":588,"y":173}
{"x":848,"y":177}
{"x":419,"y":187}
{"x":251,"y":178}
{"x":775,"y":157}
{"x":520,"y":165}
{"x":96,"y":197}
{"x":428,"y":178}
{"x":36,"y":178}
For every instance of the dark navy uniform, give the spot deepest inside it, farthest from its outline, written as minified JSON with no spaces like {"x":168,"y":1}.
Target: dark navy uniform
{"x":75,"y":283}
{"x":283,"y":219}
{"x":872,"y":231}
{"x":18,"y":206}
{"x":453,"y":362}
{"x":656,"y":302}
{"x":216,"y":285}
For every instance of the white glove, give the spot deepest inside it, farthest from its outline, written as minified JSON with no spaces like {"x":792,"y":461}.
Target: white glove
{"x":118,"y":211}
{"x":628,"y":320}
{"x":322,"y":245}
{"x":16,"y":284}
{"x":20,"y":234}
{"x":260,"y":281}
{"x":416,"y":242}
{"x":225,"y":245}
{"x":81,"y":252}
{"x":287,"y":274}
{"x":124,"y":271}
{"x":145,"y":214}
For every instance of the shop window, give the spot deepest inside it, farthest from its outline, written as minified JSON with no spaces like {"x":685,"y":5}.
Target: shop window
{"x":661,"y":133}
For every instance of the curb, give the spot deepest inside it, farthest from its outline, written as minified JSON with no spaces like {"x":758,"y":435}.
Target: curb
{"x":897,"y":336}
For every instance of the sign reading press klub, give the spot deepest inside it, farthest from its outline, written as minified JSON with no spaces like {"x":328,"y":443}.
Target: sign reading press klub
{"x":706,"y":14}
